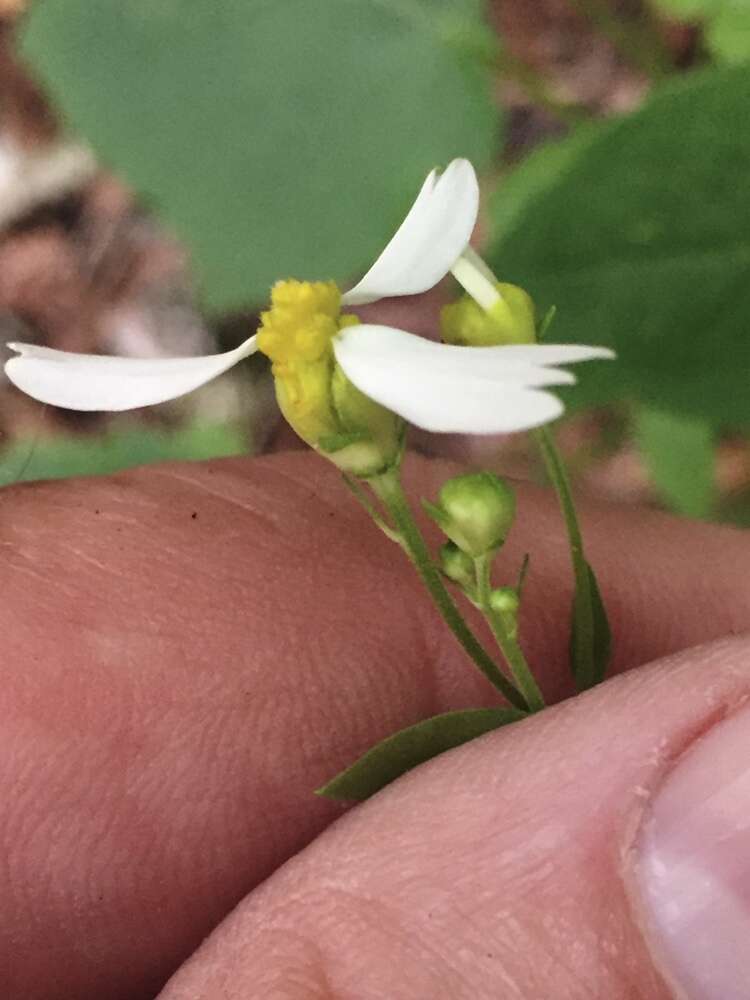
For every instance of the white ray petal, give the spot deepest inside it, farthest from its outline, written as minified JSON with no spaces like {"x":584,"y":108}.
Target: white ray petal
{"x":475,"y":390}
{"x":553,"y":354}
{"x":428,"y":242}
{"x":384,"y":345}
{"x":99,"y":382}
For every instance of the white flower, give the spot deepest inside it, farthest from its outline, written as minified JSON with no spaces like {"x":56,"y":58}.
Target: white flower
{"x":435,"y":386}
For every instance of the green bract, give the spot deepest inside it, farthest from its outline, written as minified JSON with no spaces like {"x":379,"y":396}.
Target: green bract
{"x":457,"y":566}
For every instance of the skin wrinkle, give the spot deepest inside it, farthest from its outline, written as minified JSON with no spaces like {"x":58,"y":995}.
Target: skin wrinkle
{"x":265,"y":518}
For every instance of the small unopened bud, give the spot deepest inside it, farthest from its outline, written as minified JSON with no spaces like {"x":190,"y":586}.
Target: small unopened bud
{"x":511,"y":320}
{"x":475,"y":511}
{"x":457,"y":566}
{"x":505,"y":602}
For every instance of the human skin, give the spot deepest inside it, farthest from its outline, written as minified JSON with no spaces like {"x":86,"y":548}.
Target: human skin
{"x":191,"y":649}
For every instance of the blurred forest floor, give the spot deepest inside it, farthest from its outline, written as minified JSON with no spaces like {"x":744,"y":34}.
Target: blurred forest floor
{"x":85,"y":267}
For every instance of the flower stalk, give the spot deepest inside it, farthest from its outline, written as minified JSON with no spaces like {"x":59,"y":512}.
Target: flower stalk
{"x":508,"y":644}
{"x":389,"y":490}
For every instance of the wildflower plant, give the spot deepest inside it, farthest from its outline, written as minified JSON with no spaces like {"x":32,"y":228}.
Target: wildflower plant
{"x":350,"y":388}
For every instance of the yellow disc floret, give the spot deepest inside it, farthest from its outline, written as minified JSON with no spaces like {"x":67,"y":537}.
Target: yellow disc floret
{"x":301,"y":323}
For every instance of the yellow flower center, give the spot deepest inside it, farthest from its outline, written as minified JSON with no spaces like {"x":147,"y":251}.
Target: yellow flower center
{"x":301,"y":323}
{"x":296,"y":333}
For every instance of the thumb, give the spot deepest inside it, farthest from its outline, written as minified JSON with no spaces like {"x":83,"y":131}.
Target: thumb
{"x":600,"y":849}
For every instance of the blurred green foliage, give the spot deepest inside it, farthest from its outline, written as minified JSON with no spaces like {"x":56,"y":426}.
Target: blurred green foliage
{"x":278,"y":137}
{"x":680,"y":455}
{"x":638,"y":230}
{"x":726,"y":25}
{"x":61,"y":457}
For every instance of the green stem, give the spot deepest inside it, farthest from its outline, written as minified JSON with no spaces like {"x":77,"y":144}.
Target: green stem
{"x":583,"y":607}
{"x":362,"y":498}
{"x":511,"y":650}
{"x":388,"y":488}
{"x":641,"y":44}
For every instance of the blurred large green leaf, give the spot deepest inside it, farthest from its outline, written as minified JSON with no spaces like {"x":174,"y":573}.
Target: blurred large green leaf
{"x":680,"y":454}
{"x":728,"y":34}
{"x":277,"y":137}
{"x":638,"y":229}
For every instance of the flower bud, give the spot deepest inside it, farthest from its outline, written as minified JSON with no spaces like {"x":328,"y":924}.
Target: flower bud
{"x":511,"y":320}
{"x":505,"y":603}
{"x":475,"y":511}
{"x":457,"y":566}
{"x":505,"y":600}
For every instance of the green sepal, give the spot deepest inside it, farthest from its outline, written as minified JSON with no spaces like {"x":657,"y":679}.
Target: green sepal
{"x":414,"y":745}
{"x":435,"y":513}
{"x":331,"y":443}
{"x":589,"y":670}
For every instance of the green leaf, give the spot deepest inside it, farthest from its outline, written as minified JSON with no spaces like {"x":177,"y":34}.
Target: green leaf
{"x":638,"y":229}
{"x":726,"y":25}
{"x":691,"y":9}
{"x":680,"y":455}
{"x":277,"y":137}
{"x":589,"y":660}
{"x":728,"y":34}
{"x":62,"y":457}
{"x":399,"y":753}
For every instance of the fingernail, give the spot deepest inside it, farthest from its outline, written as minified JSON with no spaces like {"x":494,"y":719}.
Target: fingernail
{"x":693,"y":867}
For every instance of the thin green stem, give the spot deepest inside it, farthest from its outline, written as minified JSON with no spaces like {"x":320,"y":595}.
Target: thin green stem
{"x":388,"y":488}
{"x":583,"y":608}
{"x":511,"y":650}
{"x":362,"y":498}
{"x":640,"y":43}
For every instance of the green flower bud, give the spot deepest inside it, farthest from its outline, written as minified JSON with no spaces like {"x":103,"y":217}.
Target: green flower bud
{"x":505,"y":602}
{"x":457,"y":566}
{"x":475,"y":511}
{"x":511,"y":320}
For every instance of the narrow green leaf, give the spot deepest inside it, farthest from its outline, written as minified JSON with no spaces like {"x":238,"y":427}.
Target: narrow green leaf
{"x":589,"y":659}
{"x":680,"y":455}
{"x":277,"y":137}
{"x":399,"y":753}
